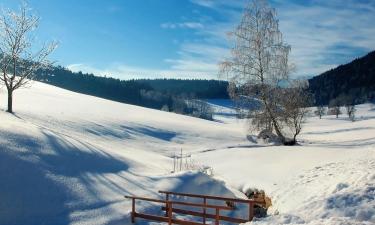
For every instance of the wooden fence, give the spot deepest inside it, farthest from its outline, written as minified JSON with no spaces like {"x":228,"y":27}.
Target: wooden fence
{"x":170,"y":207}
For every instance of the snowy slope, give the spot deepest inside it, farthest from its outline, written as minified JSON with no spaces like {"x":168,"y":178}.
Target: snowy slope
{"x":67,"y":158}
{"x":70,"y":158}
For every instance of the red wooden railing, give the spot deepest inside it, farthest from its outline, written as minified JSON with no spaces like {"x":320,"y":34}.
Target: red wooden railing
{"x":170,"y":209}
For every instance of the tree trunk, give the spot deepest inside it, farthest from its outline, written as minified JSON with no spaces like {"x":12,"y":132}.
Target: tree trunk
{"x":278,"y":132}
{"x":10,"y":101}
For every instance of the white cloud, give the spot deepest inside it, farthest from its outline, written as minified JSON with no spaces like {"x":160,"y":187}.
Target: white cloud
{"x":190,"y":25}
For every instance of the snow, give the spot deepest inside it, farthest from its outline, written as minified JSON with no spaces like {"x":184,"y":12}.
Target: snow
{"x":68,"y":158}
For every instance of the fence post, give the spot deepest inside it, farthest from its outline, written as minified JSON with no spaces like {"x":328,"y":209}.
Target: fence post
{"x":217,"y":218}
{"x":170,"y":213}
{"x":133,"y":210}
{"x":204,"y":209}
{"x":251,"y":211}
{"x":166,"y":204}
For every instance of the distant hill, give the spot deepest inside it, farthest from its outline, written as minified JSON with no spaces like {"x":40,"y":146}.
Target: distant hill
{"x":355,"y":80}
{"x":166,"y":94}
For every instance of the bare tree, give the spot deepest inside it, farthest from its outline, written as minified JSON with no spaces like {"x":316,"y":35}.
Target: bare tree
{"x":199,"y":108}
{"x":350,"y":111}
{"x":259,"y":66}
{"x":19,"y":60}
{"x":294,"y":108}
{"x":320,"y":111}
{"x":349,"y":104}
{"x":335,"y":107}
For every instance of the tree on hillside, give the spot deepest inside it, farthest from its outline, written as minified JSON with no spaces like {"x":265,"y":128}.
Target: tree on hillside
{"x":320,"y":111}
{"x":348,"y":102}
{"x":19,"y":61}
{"x":350,"y":111}
{"x":295,"y":101}
{"x":259,"y":69}
{"x":334,"y":107}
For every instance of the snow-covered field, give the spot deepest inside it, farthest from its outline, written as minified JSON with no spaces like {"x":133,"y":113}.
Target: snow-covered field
{"x":67,"y":158}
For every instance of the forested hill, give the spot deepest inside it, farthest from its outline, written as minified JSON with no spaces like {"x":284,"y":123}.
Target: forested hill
{"x":203,"y":89}
{"x":355,"y":80}
{"x":169,"y":94}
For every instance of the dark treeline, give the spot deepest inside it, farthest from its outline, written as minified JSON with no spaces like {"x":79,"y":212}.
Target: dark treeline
{"x":202,"y":89}
{"x":355,"y":80}
{"x":166,"y":94}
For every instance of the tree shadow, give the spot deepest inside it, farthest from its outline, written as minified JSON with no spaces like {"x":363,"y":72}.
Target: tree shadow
{"x":153,"y":132}
{"x":74,"y":157}
{"x":340,"y":130}
{"x":33,"y":172}
{"x":101,"y":130}
{"x":25,"y":187}
{"x":129,"y":131}
{"x":345,"y":144}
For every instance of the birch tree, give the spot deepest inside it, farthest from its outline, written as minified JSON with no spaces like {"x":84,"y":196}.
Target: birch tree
{"x":20,"y":57}
{"x":259,"y":64}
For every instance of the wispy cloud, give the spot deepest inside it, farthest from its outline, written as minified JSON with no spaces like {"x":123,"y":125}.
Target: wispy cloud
{"x":190,"y":25}
{"x":220,"y":4}
{"x":323,"y":34}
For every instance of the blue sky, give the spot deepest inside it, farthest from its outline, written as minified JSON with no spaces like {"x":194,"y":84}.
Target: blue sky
{"x":187,"y":38}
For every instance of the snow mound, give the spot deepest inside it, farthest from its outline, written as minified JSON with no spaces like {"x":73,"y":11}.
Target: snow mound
{"x":328,"y":194}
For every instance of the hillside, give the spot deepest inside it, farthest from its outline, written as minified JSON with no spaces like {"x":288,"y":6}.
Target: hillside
{"x":150,"y":93}
{"x":68,"y":158}
{"x":355,"y":79}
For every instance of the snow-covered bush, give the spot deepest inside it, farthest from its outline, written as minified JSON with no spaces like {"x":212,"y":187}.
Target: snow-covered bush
{"x":267,"y":136}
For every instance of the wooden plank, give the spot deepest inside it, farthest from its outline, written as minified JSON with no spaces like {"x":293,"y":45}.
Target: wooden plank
{"x":165,"y":219}
{"x":180,"y":203}
{"x":212,"y":197}
{"x":202,"y":205}
{"x":184,"y":222}
{"x":169,"y":205}
{"x":211,"y":216}
{"x":204,"y":210}
{"x":151,"y":217}
{"x":217,"y":217}
{"x":146,"y":199}
{"x":251,"y":211}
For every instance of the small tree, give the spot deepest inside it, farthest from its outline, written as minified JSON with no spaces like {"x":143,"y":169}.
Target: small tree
{"x":18,"y":59}
{"x":349,"y":101}
{"x":350,"y":111}
{"x":320,"y":111}
{"x":201,"y":109}
{"x":294,"y":108}
{"x":165,"y":108}
{"x":335,"y":107}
